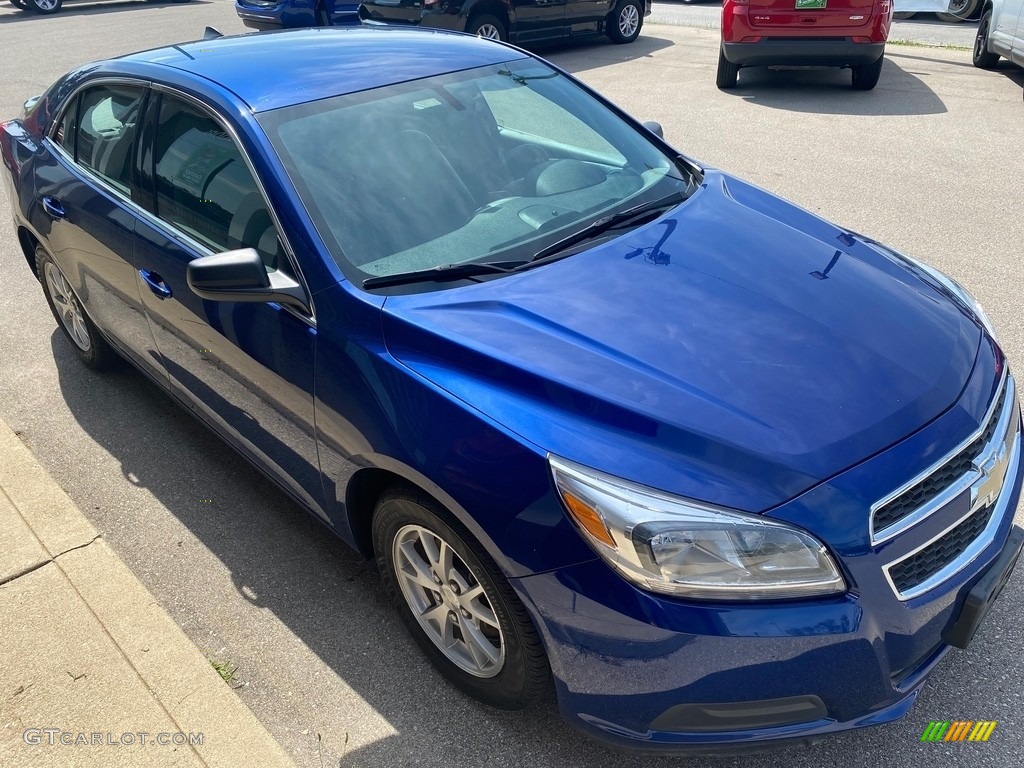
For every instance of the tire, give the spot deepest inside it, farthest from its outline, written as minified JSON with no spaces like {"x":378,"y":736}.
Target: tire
{"x":488,"y":27}
{"x":45,"y":7}
{"x":904,"y":15}
{"x":90,"y":346}
{"x":505,"y":666}
{"x":727,"y":71}
{"x":959,"y":10}
{"x":981,"y":55}
{"x":625,"y":21}
{"x":865,"y":78}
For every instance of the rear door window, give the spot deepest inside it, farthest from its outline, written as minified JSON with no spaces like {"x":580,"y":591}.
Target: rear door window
{"x":107,"y":121}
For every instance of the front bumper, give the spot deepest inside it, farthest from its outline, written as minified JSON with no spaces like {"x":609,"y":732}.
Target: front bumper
{"x":651,"y":673}
{"x":803,"y":53}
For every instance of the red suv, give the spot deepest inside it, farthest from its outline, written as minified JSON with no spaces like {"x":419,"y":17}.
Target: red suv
{"x":830,"y":33}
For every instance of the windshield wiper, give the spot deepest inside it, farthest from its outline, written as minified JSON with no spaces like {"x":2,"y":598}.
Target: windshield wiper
{"x":473,"y":268}
{"x":438,"y":273}
{"x":624,"y":218}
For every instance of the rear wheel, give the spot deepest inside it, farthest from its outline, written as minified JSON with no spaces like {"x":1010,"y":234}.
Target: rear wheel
{"x":488,"y":27}
{"x":865,"y":78}
{"x":727,"y":71}
{"x":626,"y":20}
{"x":981,"y":55}
{"x":91,"y":347}
{"x":959,"y":10}
{"x":43,"y":6}
{"x":456,"y":604}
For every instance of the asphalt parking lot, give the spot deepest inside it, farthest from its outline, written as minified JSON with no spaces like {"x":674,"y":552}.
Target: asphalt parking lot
{"x":930,"y":162}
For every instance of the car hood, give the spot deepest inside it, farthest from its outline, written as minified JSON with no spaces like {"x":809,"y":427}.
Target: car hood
{"x":737,"y":350}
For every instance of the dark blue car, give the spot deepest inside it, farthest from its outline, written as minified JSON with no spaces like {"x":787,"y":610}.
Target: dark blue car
{"x":723,"y":471}
{"x":291,"y":14}
{"x":517,"y":21}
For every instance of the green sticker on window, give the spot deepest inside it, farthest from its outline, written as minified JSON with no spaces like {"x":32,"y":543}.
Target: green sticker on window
{"x":800,"y":4}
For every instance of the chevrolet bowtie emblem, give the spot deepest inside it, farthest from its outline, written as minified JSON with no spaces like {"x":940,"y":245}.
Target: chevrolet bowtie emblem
{"x":992,"y":468}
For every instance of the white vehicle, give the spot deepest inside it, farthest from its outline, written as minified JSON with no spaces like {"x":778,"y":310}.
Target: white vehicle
{"x":1000,"y":33}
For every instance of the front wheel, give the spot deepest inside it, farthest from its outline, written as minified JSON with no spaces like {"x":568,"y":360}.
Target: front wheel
{"x":981,"y":55}
{"x":458,"y":607}
{"x":959,"y":10}
{"x":727,"y":71}
{"x":488,"y":27}
{"x":43,"y":6}
{"x":626,"y":20}
{"x":865,"y":78}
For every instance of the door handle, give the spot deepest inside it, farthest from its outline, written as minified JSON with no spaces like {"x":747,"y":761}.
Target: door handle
{"x":53,"y":207}
{"x":156,"y":284}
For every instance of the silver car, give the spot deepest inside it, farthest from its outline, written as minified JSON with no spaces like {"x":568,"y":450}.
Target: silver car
{"x":1000,"y":33}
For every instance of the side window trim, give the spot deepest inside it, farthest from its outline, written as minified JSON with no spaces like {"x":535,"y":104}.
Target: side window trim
{"x":142,"y":177}
{"x":58,"y":125}
{"x":152,"y":115}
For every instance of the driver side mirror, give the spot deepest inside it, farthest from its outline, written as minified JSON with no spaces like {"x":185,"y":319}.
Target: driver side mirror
{"x":655,"y":128}
{"x":241,"y":276}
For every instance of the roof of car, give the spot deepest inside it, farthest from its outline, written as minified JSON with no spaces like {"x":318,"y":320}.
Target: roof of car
{"x":276,"y":69}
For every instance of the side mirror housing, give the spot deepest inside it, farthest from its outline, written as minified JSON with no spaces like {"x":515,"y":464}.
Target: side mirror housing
{"x":655,"y":128}
{"x":241,"y":276}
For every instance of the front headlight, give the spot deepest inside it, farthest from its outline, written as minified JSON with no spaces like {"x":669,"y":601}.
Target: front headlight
{"x":679,"y":547}
{"x":958,"y":292}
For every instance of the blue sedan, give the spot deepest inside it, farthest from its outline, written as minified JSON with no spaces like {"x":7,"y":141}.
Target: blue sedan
{"x":724,"y":472}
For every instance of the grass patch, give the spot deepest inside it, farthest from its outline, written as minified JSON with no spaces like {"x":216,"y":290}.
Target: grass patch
{"x":944,"y":46}
{"x":226,"y":669}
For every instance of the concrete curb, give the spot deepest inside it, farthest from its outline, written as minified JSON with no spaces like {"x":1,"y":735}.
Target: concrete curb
{"x":95,"y":672}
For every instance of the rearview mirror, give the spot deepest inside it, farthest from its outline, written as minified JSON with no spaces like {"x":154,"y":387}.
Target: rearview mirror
{"x":241,"y":276}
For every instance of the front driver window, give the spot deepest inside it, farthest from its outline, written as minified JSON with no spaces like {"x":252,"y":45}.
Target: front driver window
{"x":204,"y":186}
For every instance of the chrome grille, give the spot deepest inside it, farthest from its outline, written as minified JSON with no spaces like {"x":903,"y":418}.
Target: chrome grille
{"x":920,"y":567}
{"x":979,"y":467}
{"x":909,"y":501}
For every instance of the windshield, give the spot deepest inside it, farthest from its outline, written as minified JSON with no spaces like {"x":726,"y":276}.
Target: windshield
{"x":493,"y":164}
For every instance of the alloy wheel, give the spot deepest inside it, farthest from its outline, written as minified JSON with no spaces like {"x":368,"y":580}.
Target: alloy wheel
{"x":68,"y":308}
{"x":629,"y":20}
{"x":488,"y":32}
{"x":448,"y":601}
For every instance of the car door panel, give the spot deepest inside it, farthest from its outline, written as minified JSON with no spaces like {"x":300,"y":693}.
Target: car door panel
{"x":245,"y":368}
{"x":533,"y":20}
{"x":584,"y":16}
{"x":1017,"y":46}
{"x":1005,"y":26}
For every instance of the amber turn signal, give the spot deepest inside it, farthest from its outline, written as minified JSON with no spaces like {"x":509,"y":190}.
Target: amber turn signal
{"x":588,"y":518}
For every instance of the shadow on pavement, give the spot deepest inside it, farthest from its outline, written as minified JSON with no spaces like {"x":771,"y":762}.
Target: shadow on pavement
{"x":599,"y":51}
{"x":1011,"y":71}
{"x":827,"y":91}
